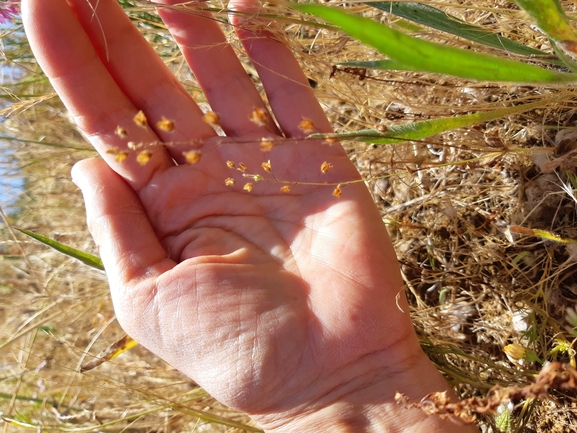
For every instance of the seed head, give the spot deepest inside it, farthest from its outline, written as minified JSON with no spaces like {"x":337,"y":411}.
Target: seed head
{"x":267,"y":166}
{"x":326,"y":166}
{"x":330,"y":140}
{"x":140,"y":119}
{"x":259,"y":117}
{"x":230,"y":164}
{"x":229,"y":181}
{"x":192,"y":156}
{"x":337,"y":192}
{"x":266,"y":144}
{"x":119,"y":155}
{"x":285,"y":188}
{"x":211,"y":118}
{"x":143,"y":157}
{"x":241,"y":167}
{"x":247,"y":187}
{"x":165,"y":124}
{"x":121,"y":132}
{"x":307,"y":126}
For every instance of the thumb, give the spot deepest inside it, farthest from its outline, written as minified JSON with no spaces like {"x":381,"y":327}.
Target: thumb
{"x":117,"y":220}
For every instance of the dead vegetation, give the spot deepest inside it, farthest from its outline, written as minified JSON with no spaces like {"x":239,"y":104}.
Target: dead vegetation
{"x":450,"y":202}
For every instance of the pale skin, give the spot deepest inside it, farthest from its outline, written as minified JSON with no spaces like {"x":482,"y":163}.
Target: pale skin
{"x":288,"y":306}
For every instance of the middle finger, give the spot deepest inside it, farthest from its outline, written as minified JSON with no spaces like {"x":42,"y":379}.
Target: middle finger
{"x":218,"y":70}
{"x":140,"y":73}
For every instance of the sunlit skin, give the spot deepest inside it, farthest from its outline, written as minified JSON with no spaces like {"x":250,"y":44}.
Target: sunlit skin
{"x":285,"y":304}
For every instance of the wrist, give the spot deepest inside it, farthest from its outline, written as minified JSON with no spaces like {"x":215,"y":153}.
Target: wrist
{"x":367,"y":404}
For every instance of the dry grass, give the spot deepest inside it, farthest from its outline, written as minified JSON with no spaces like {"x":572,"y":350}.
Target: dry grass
{"x":448,"y":202}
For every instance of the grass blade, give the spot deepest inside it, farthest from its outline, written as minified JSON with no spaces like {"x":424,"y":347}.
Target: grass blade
{"x":87,"y":259}
{"x":543,"y":234}
{"x":46,"y":143}
{"x":427,"y":128}
{"x":114,"y":350}
{"x":431,"y":57}
{"x":552,"y":20}
{"x":549,"y":17}
{"x":435,"y":18}
{"x":389,"y":65}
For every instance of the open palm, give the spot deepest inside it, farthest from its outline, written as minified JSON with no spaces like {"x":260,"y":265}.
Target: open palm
{"x":277,"y":301}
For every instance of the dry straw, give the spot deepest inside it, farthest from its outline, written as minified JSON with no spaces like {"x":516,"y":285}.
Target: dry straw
{"x":449,"y":201}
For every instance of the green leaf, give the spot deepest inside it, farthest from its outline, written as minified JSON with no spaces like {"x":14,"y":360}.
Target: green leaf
{"x":552,"y":20}
{"x":85,"y":258}
{"x":427,"y":128}
{"x":549,"y":17}
{"x":437,"y":19}
{"x":431,"y":57}
{"x":388,"y":65}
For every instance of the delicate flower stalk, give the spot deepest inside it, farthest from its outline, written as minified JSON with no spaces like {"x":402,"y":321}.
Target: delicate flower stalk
{"x":8,"y":9}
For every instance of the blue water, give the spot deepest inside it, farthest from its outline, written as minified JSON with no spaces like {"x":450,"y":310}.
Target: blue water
{"x":12,"y":182}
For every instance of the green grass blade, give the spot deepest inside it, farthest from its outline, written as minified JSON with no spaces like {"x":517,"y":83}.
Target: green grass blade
{"x":552,"y":20}
{"x":435,"y":18}
{"x":388,"y":65}
{"x":87,"y":259}
{"x":431,"y":57}
{"x":549,"y":17}
{"x":427,"y":128}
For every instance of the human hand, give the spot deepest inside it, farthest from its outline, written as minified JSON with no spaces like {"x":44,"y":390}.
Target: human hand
{"x":287,"y":305}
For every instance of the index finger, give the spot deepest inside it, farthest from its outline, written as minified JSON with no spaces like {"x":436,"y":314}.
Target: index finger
{"x":98,"y":105}
{"x":140,"y":72}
